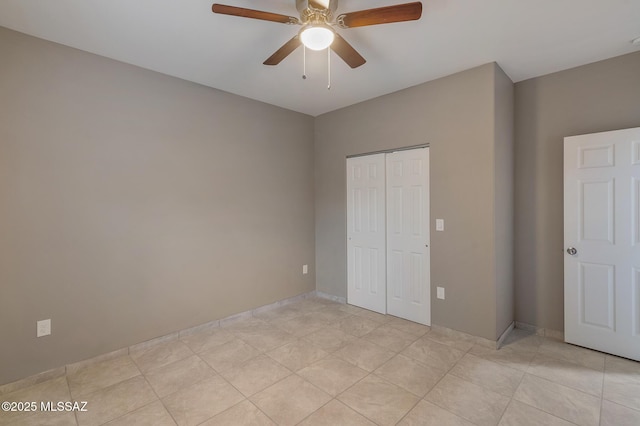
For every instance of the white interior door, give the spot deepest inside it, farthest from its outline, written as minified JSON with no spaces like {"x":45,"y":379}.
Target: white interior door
{"x":366,"y":243}
{"x":408,"y":267}
{"x":602,"y":241}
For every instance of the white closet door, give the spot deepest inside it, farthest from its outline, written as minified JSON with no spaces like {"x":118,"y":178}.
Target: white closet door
{"x":602,"y":241}
{"x":408,"y":265}
{"x":366,"y":266}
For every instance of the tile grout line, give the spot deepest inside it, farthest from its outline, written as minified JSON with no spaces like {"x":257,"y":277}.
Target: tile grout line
{"x":321,"y":390}
{"x":318,"y":409}
{"x":261,"y":390}
{"x":75,"y":413}
{"x":440,"y":380}
{"x":554,"y":383}
{"x":539,"y":350}
{"x":245,"y":398}
{"x":511,"y":397}
{"x":570,"y":386}
{"x":177,"y":390}
{"x":600,"y":416}
{"x":372,"y":373}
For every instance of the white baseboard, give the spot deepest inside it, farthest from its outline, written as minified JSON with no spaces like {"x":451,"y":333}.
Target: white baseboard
{"x":544,"y":332}
{"x":504,"y":335}
{"x":32,"y":380}
{"x":464,"y":336}
{"x":338,"y":299}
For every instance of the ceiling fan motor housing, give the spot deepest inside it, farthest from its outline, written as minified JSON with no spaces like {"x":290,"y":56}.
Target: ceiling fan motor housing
{"x":309,"y":9}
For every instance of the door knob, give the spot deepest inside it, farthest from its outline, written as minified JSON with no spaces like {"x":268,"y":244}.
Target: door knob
{"x":572,"y":251}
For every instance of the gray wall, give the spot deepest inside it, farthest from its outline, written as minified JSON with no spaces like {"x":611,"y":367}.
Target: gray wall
{"x":456,"y":116}
{"x":593,"y":98}
{"x":133,"y":204}
{"x":503,"y":181}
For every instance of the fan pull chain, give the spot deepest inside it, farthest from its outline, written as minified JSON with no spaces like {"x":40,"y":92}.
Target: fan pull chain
{"x":304,"y":62}
{"x":328,"y":68}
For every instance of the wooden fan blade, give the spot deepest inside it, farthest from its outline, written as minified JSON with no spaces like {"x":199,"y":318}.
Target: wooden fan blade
{"x":381,"y":15}
{"x":284,"y":51}
{"x":347,"y":52}
{"x":254,"y":14}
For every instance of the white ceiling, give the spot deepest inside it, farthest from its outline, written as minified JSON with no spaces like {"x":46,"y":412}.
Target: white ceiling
{"x":527,"y":38}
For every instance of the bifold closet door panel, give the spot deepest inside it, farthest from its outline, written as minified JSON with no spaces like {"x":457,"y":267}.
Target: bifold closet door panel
{"x":408,"y":264}
{"x":366,"y":239}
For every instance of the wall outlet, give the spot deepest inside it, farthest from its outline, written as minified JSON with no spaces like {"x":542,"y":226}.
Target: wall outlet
{"x":440,"y":292}
{"x":43,"y":328}
{"x":439,"y":224}
{"x":305,"y":269}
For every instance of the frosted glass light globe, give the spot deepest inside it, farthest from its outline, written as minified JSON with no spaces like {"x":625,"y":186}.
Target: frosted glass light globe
{"x":316,"y":37}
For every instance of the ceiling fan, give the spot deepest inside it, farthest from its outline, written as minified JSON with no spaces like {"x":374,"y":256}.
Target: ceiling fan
{"x":317,"y":21}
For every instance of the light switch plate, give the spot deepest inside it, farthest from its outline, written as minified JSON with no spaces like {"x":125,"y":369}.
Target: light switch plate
{"x":439,"y":224}
{"x":440,"y":291}
{"x":305,"y":269}
{"x":43,"y":328}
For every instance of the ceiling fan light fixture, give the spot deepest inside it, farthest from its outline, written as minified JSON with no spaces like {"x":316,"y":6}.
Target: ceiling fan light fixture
{"x":317,"y":36}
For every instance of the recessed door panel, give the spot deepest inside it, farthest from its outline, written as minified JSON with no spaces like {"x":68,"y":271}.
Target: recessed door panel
{"x":356,"y":215}
{"x":372,"y":210}
{"x":636,"y":301}
{"x":357,"y":267}
{"x":416,"y":211}
{"x":374,"y":280}
{"x":596,"y":211}
{"x":635,"y":155}
{"x":395,"y":208}
{"x":395,"y":274}
{"x":415,"y":280}
{"x":597,"y":295}
{"x":596,"y":156}
{"x":635,"y":202}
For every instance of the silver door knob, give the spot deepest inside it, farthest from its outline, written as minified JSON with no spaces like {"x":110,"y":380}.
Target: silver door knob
{"x":572,"y":251}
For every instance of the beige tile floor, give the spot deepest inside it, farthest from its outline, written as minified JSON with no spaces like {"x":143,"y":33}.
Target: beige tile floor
{"x":317,"y":362}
